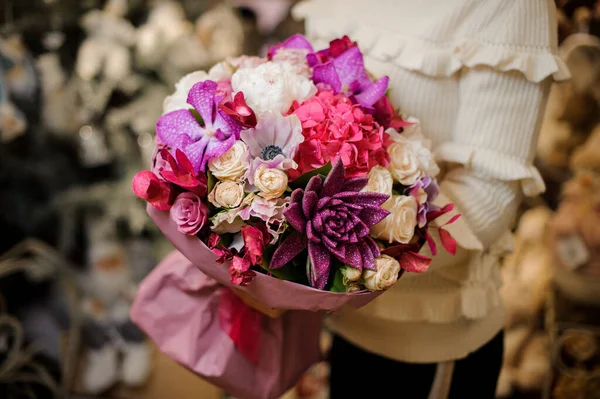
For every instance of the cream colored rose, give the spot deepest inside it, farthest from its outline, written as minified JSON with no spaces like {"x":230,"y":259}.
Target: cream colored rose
{"x":226,"y":194}
{"x":399,"y":225}
{"x":410,"y":155}
{"x":353,"y":287}
{"x":232,"y":164}
{"x":270,"y":182}
{"x":384,"y":277}
{"x":350,"y":274}
{"x":404,"y":165}
{"x":380,"y":181}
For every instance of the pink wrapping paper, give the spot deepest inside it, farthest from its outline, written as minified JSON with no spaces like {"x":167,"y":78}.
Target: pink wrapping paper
{"x":269,"y":291}
{"x":177,"y":306}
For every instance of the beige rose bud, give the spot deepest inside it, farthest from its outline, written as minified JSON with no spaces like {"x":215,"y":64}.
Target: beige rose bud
{"x":353,"y":287}
{"x":270,"y":182}
{"x":404,"y":165}
{"x":399,"y":225}
{"x":232,"y":164}
{"x":227,"y":194}
{"x":385,"y":276}
{"x":350,"y":273}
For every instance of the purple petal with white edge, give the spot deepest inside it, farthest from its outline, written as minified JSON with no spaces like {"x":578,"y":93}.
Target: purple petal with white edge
{"x":334,"y":181}
{"x":353,"y":257}
{"x":371,"y":215}
{"x":195,"y":153}
{"x":327,"y":73}
{"x":295,"y":217}
{"x":314,"y":184}
{"x":202,"y":97}
{"x":309,"y":203}
{"x":288,"y":250}
{"x":356,"y":184}
{"x":320,"y":260}
{"x":373,"y":92}
{"x":432,"y":189}
{"x":350,"y":67}
{"x":174,"y":124}
{"x":368,"y":259}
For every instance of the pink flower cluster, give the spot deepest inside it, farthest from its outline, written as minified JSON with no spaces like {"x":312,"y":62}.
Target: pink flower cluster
{"x":336,"y":128}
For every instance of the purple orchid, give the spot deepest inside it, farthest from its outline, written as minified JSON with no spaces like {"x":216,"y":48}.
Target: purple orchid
{"x":200,"y":142}
{"x":333,"y":219}
{"x":425,"y":191}
{"x":297,"y":42}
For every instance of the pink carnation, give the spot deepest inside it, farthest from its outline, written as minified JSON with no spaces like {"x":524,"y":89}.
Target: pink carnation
{"x":336,"y":128}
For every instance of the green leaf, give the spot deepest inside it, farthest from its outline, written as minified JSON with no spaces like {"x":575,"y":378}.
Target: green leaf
{"x":196,"y":115}
{"x":210,"y":181}
{"x":289,"y":272}
{"x":338,"y":281}
{"x":302,"y":181}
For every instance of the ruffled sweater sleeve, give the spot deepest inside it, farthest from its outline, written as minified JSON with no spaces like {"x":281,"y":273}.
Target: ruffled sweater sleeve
{"x":499,"y":114}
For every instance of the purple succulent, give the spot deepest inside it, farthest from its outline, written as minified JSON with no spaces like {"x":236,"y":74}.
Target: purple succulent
{"x":346,"y":73}
{"x":333,"y":219}
{"x":181,"y":129}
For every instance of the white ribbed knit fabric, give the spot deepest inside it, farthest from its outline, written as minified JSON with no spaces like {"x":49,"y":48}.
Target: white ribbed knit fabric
{"x":476,"y":73}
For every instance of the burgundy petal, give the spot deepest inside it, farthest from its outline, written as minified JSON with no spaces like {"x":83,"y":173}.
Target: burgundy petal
{"x":296,"y":196}
{"x":310,"y":233}
{"x":355,"y":184}
{"x":288,"y":250}
{"x":295,"y":217}
{"x":353,"y":256}
{"x":373,"y":246}
{"x":314,"y":184}
{"x":320,"y":263}
{"x":334,"y":181}
{"x":368,"y":259}
{"x":309,"y":203}
{"x":365,"y":198}
{"x":372,"y":215}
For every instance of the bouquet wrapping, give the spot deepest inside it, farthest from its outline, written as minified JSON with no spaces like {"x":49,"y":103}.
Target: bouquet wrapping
{"x":292,"y":180}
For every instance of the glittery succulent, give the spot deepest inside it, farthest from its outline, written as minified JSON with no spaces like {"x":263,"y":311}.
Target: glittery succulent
{"x":333,"y":219}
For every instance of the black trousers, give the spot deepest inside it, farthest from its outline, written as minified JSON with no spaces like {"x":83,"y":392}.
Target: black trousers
{"x":359,"y":374}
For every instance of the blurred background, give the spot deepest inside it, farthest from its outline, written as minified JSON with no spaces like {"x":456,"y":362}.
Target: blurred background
{"x":81,"y":86}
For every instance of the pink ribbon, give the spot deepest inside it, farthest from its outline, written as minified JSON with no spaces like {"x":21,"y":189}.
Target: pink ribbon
{"x":242,"y":323}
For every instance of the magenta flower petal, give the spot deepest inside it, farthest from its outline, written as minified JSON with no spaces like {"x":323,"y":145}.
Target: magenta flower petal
{"x":373,"y":92}
{"x":366,"y":198}
{"x":202,"y":98}
{"x":288,"y":250}
{"x":353,"y":257}
{"x":326,"y":73}
{"x":350,"y":67}
{"x":294,"y":42}
{"x":368,"y":257}
{"x":320,"y":265}
{"x":314,"y":184}
{"x":372,"y":215}
{"x":180,"y":123}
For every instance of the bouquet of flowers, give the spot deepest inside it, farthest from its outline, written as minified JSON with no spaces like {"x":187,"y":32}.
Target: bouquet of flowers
{"x":292,"y":179}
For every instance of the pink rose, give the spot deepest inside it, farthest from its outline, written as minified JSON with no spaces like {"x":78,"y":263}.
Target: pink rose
{"x":189,"y":213}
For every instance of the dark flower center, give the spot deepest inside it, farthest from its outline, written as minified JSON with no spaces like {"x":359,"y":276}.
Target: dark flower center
{"x":270,"y":152}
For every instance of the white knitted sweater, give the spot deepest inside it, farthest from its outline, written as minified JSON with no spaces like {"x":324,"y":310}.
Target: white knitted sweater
{"x":476,"y":73}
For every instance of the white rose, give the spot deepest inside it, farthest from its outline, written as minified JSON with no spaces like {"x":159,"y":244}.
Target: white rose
{"x":270,"y":182}
{"x":380,"y":181}
{"x":272,"y":87}
{"x":399,"y":225}
{"x":386,"y":275}
{"x":410,"y":155}
{"x":350,"y":274}
{"x":226,"y":194}
{"x":232,"y":164}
